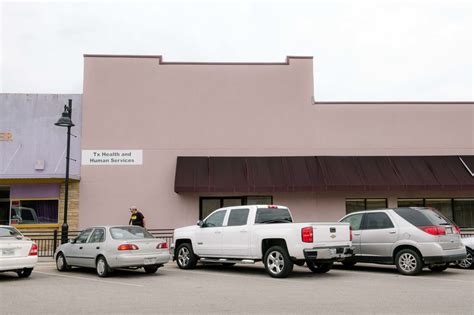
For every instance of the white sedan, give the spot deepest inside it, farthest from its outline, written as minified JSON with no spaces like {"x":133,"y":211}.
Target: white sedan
{"x":106,"y":248}
{"x":17,"y":252}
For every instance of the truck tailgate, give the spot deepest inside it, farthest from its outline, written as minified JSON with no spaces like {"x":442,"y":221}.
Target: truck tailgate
{"x":329,"y":234}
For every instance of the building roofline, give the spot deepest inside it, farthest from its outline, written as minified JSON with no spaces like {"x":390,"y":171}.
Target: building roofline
{"x":161,"y":62}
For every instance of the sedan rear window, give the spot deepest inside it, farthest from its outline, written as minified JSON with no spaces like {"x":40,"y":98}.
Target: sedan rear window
{"x":9,"y":232}
{"x":422,"y":216}
{"x":273,"y":215}
{"x":129,"y":232}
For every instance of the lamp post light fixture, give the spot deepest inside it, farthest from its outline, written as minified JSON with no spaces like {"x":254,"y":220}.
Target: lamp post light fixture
{"x":65,"y":121}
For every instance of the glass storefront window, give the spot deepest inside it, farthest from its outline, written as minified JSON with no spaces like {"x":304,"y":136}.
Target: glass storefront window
{"x":353,"y":205}
{"x":359,"y":204}
{"x":259,"y":200}
{"x":418,"y":202}
{"x":442,"y":205}
{"x":376,"y":204}
{"x":209,"y":204}
{"x":34,"y":211}
{"x":464,"y":212}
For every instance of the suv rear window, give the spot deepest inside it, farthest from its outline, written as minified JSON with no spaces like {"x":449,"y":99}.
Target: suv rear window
{"x":273,"y":215}
{"x":422,"y":216}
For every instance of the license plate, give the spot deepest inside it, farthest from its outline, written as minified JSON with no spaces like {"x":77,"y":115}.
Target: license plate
{"x":150,"y":261}
{"x":449,"y":230}
{"x":332,"y":251}
{"x":8,"y":252}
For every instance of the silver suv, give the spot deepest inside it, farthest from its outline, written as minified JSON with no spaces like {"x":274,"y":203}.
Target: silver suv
{"x":410,"y":238}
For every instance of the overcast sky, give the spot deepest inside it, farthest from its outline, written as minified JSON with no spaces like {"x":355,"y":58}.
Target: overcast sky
{"x":363,"y":50}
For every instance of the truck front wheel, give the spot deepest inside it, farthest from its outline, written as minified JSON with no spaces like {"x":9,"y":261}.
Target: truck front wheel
{"x":185,"y":257}
{"x":318,"y":268}
{"x":277,"y":262}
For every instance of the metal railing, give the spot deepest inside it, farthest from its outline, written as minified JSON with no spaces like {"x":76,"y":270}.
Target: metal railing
{"x":48,"y":241}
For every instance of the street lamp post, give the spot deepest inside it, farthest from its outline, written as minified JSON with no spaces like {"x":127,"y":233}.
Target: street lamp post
{"x":65,"y":121}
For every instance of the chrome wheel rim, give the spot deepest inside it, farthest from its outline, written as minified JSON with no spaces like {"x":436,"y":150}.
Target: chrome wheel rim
{"x":183,"y":256}
{"x":275,"y":262}
{"x":407,"y":262}
{"x":101,"y":267}
{"x":60,"y":262}
{"x":466,"y":262}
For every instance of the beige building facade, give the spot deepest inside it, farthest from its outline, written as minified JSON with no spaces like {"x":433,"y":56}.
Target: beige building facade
{"x":204,"y":135}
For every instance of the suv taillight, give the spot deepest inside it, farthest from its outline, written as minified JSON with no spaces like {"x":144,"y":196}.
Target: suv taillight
{"x":307,"y":234}
{"x":33,"y":250}
{"x":127,"y":247}
{"x":433,"y":230}
{"x":162,"y":246}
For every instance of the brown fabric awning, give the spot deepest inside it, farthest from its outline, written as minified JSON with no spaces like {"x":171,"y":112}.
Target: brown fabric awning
{"x":322,"y":173}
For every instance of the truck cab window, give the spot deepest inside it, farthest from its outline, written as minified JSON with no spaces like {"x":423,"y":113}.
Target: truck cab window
{"x":238,"y":217}
{"x":215,"y":220}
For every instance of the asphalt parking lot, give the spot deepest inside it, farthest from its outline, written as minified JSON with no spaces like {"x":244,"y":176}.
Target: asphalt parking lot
{"x":238,"y":289}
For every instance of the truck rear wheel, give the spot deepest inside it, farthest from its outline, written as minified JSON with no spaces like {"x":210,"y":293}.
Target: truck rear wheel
{"x":319,"y":268}
{"x":185,"y":258}
{"x":277,"y":262}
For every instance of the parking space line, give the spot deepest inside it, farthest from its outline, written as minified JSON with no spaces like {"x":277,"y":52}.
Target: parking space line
{"x":87,"y":279}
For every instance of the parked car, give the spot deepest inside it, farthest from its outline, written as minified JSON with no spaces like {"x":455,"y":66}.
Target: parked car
{"x":467,"y":263}
{"x":251,"y":233}
{"x":106,"y":248}
{"x":409,"y":238}
{"x":17,"y":252}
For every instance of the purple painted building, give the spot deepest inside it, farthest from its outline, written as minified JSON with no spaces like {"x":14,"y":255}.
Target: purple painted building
{"x":32,"y":159}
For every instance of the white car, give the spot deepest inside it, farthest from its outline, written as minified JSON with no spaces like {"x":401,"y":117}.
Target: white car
{"x":106,"y":248}
{"x":17,"y":252}
{"x":467,"y":262}
{"x":251,"y":233}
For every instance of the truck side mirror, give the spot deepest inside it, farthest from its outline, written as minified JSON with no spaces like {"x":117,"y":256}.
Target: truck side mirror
{"x":200,"y":223}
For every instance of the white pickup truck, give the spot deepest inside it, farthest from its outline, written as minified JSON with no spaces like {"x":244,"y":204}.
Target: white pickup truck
{"x":251,"y":233}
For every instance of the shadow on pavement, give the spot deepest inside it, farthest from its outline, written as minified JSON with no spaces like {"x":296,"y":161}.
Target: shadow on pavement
{"x":259,"y":271}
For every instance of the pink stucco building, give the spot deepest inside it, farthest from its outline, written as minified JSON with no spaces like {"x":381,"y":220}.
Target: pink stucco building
{"x":206,"y":135}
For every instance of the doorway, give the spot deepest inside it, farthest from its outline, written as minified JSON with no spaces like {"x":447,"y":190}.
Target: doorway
{"x":4,"y":205}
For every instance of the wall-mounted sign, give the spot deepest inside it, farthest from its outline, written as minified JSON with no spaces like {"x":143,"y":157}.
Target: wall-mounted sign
{"x":112,"y":157}
{"x":6,"y":136}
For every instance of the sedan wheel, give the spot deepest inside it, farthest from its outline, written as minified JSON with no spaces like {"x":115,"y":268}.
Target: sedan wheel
{"x":61,"y":263}
{"x":466,"y":263}
{"x":102,"y":268}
